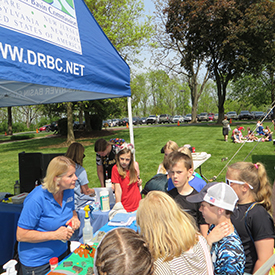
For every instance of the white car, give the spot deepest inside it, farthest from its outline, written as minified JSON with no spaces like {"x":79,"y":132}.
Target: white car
{"x":177,"y":118}
{"x":188,"y":118}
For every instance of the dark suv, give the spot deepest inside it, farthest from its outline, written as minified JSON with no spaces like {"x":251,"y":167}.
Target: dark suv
{"x":54,"y":126}
{"x":165,"y":119}
{"x":245,"y":115}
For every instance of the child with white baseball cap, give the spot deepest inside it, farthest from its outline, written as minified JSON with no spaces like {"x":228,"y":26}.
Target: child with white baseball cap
{"x":218,"y":201}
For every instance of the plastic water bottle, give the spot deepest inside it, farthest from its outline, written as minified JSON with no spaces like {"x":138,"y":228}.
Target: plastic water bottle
{"x":16,"y":188}
{"x":88,"y":229}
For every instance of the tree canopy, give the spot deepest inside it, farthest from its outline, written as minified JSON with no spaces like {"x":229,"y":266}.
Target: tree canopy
{"x":232,"y":37}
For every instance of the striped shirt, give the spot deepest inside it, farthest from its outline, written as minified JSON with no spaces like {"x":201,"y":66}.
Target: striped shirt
{"x":190,"y":262}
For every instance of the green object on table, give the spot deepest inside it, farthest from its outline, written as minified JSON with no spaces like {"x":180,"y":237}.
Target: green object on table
{"x":78,"y":265}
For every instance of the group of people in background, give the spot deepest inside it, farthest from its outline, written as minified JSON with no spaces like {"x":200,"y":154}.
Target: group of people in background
{"x":261,"y":133}
{"x":191,"y":228}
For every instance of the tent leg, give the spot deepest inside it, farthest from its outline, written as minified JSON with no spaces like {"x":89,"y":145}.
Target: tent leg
{"x":129,"y":102}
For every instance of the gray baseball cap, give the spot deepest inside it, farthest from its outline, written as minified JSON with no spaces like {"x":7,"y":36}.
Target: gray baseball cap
{"x":219,"y":194}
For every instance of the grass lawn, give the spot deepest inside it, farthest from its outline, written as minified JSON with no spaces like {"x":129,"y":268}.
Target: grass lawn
{"x":148,"y":142}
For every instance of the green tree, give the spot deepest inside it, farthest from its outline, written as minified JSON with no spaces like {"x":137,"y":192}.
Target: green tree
{"x":124,"y":23}
{"x":174,"y":56}
{"x":233,"y":37}
{"x":140,"y":95}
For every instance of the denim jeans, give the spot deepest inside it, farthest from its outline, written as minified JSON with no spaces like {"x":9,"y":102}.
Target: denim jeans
{"x":43,"y":269}
{"x":39,"y":270}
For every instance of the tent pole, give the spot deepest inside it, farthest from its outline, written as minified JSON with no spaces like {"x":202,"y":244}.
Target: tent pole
{"x":129,"y":102}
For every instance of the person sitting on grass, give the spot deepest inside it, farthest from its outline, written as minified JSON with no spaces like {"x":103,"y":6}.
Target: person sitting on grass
{"x":267,"y":135}
{"x":218,"y":201}
{"x":236,"y":136}
{"x":250,"y":135}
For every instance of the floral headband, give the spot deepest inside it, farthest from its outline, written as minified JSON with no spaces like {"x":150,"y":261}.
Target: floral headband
{"x":125,"y":145}
{"x":117,"y":141}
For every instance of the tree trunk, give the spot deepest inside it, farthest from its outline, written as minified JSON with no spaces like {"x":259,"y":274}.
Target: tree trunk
{"x":9,"y":121}
{"x":70,"y":133}
{"x":87,"y":121}
{"x":80,"y":113}
{"x":221,"y":89}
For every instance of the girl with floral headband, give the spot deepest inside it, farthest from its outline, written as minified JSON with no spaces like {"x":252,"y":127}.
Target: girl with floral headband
{"x":125,"y":177}
{"x":252,"y":217}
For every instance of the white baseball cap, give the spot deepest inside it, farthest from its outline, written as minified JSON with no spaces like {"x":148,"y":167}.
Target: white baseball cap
{"x":216,"y":193}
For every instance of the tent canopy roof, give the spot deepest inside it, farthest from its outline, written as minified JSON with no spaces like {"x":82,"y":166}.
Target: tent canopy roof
{"x":52,"y":52}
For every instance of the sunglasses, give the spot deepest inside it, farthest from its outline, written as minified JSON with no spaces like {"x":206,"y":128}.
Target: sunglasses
{"x":238,"y":182}
{"x":84,"y":156}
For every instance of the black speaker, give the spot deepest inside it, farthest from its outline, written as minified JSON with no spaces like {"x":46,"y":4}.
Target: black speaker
{"x":33,"y":167}
{"x":46,"y":160}
{"x":30,"y":170}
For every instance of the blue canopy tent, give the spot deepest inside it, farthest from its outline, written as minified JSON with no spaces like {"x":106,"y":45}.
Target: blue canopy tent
{"x":54,"y":51}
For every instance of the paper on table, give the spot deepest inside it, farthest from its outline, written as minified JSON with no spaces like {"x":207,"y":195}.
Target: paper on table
{"x":122,"y":219}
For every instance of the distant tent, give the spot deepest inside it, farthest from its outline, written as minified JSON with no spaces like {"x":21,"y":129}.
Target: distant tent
{"x":54,"y":51}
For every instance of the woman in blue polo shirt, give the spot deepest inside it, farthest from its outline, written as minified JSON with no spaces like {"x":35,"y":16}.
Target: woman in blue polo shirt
{"x":42,"y":230}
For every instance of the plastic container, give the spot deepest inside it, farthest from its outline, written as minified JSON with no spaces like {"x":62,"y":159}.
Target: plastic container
{"x":104,"y":200}
{"x":19,"y":198}
{"x":88,"y":232}
{"x":53,"y":263}
{"x":16,"y":188}
{"x":108,"y":183}
{"x":10,"y":267}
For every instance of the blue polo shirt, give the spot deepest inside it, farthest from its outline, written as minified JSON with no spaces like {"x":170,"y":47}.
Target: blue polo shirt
{"x":41,"y":212}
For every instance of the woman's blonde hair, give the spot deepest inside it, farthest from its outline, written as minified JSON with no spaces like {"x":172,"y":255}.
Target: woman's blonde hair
{"x":170,"y":145}
{"x":124,"y":252}
{"x":168,"y":230}
{"x":256,"y":176}
{"x":57,"y":168}
{"x":132,"y":170}
{"x":76,"y":153}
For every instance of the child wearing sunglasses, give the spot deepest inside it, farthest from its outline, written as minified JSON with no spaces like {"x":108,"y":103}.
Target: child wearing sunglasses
{"x":253,"y":216}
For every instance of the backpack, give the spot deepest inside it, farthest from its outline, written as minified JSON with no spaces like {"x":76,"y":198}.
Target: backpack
{"x":157,"y":182}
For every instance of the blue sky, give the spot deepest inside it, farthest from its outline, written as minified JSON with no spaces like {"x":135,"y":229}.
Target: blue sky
{"x":149,"y":6}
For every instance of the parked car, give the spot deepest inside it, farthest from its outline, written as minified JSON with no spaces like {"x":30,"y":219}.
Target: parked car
{"x":53,"y":126}
{"x":136,"y":120}
{"x":211,"y":116}
{"x":115,"y":121}
{"x":232,"y":115}
{"x":216,"y":116}
{"x":245,"y":115}
{"x":188,"y":118}
{"x":76,"y":125}
{"x":259,"y":115}
{"x":203,"y":117}
{"x":45,"y":128}
{"x":151,"y":119}
{"x":165,"y":118}
{"x":123,"y":121}
{"x":177,"y":118}
{"x":270,"y":115}
{"x":143,"y":120}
